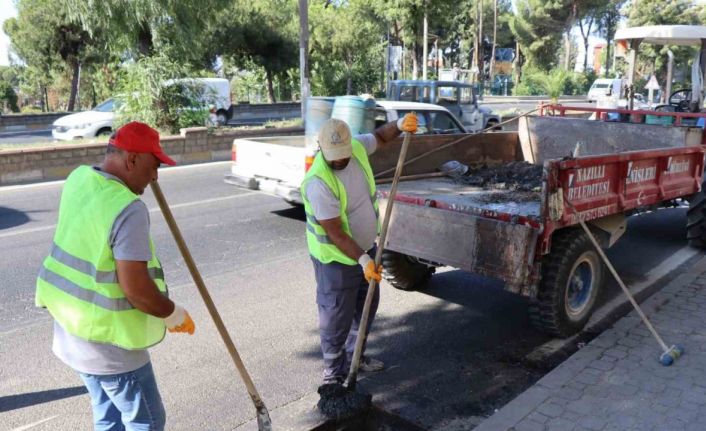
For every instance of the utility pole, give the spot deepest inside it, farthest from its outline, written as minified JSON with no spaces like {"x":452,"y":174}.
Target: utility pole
{"x":480,"y":44}
{"x":304,"y":53}
{"x":424,"y":47}
{"x":495,"y":36}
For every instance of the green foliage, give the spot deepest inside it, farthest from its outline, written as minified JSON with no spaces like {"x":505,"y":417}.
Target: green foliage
{"x":347,"y":51}
{"x":260,"y":33}
{"x":30,"y":109}
{"x":8,"y":97}
{"x":538,"y":27}
{"x":144,"y":96}
{"x":555,"y":83}
{"x":653,"y":58}
{"x":136,"y":28}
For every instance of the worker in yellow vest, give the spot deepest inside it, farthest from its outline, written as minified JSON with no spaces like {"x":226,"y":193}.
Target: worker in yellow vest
{"x":342,"y":225}
{"x":104,"y":285}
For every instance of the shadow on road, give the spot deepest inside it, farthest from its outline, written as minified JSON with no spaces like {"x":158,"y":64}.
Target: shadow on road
{"x":460,"y":356}
{"x":294,"y":213}
{"x":11,"y":217}
{"x":12,"y":402}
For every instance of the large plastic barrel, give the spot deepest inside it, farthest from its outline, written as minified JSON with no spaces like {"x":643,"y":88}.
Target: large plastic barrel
{"x":318,"y":110}
{"x":359,"y":113}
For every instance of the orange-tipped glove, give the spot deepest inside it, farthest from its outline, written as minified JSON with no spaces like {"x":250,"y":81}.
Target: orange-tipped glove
{"x":368,"y":265}
{"x":408,"y":123}
{"x":180,"y":321}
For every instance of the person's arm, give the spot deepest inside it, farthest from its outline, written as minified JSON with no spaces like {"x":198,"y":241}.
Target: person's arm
{"x":344,"y":242}
{"x":140,"y":289}
{"x":388,"y":132}
{"x":130,"y":243}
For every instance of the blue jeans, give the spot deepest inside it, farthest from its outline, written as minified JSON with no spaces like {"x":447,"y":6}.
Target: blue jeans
{"x":128,"y":401}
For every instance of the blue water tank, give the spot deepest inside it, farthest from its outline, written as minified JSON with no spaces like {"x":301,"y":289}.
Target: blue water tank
{"x":318,"y":110}
{"x":357,"y":112}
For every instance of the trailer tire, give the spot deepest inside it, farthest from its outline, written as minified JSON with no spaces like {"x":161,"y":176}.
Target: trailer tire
{"x":403,"y":272}
{"x":696,"y":221}
{"x":572,"y":276}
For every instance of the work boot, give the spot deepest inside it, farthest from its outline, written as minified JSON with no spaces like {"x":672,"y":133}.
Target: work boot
{"x":333,"y":380}
{"x":370,"y":365}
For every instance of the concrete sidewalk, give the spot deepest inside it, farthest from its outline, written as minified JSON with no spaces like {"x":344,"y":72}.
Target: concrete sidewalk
{"x":616,"y":381}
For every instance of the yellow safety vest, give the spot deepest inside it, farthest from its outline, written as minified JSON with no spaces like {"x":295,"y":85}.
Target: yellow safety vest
{"x":320,"y":245}
{"x":78,"y":282}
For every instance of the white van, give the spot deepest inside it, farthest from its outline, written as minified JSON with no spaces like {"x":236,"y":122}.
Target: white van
{"x":99,"y":120}
{"x":213,"y":93}
{"x":604,"y":87}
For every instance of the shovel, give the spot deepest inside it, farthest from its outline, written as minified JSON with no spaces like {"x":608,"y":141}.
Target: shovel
{"x":263,"y":416}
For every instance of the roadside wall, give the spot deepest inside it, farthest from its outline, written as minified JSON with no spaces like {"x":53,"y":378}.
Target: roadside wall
{"x":194,"y":145}
{"x":16,"y":122}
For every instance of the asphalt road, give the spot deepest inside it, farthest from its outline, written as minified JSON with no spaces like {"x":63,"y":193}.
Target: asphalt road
{"x":454,"y":351}
{"x":26,"y":137}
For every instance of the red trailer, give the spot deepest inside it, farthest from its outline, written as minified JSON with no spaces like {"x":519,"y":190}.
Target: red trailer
{"x":530,"y":239}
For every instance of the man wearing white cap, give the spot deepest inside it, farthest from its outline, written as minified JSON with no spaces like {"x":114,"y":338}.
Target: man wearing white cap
{"x":342,"y":225}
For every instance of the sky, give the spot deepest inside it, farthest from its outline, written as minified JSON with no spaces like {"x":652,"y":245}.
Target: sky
{"x":7,"y":10}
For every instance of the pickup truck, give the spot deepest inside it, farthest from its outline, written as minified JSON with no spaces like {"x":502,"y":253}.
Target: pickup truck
{"x":528,"y":234}
{"x":276,"y":165}
{"x":458,"y":97}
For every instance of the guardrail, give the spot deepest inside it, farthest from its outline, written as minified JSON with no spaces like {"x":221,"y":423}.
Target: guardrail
{"x":194,"y":145}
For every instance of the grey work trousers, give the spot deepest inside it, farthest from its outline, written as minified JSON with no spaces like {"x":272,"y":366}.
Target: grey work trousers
{"x":340,"y":295}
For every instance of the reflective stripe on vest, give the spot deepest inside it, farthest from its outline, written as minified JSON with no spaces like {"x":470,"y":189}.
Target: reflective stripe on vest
{"x":87,"y":267}
{"x":78,"y":282}
{"x":320,"y":245}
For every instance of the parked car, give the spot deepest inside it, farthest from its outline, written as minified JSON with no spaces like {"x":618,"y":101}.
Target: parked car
{"x":210,"y":93}
{"x":276,"y":165}
{"x":88,"y":124}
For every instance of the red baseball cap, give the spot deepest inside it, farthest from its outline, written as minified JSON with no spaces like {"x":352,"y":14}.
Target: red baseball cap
{"x":137,"y":137}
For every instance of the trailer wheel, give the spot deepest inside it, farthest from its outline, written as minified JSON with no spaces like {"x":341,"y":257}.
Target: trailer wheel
{"x":404,"y":272}
{"x":696,"y":221}
{"x":572,"y":275}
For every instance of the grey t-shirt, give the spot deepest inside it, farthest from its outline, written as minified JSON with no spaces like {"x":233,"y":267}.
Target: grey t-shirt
{"x":129,"y":239}
{"x":361,"y":213}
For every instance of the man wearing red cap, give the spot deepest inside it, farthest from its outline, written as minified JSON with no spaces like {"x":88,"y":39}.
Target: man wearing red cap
{"x":104,"y":286}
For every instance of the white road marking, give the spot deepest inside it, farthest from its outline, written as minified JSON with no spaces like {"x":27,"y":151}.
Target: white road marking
{"x":34,"y":424}
{"x":163,"y":171}
{"x":181,"y":205}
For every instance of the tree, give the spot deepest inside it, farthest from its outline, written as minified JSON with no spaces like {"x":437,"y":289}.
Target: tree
{"x":140,"y":28}
{"x":405,"y":20}
{"x":350,"y":36}
{"x":47,"y":40}
{"x":263,"y":32}
{"x":653,"y":58}
{"x":607,"y":22}
{"x":585,"y":25}
{"x":538,"y":26}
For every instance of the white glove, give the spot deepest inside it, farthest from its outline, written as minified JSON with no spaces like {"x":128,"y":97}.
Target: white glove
{"x":179,"y":321}
{"x":369,"y":270}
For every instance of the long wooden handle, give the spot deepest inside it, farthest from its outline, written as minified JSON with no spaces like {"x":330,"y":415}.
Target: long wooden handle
{"x":167,"y":212}
{"x":363,"y":327}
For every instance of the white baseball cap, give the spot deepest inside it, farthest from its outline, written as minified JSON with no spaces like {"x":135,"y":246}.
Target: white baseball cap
{"x":335,"y":140}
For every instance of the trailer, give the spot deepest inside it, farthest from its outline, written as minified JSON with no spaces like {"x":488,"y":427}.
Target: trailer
{"x":597,"y":171}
